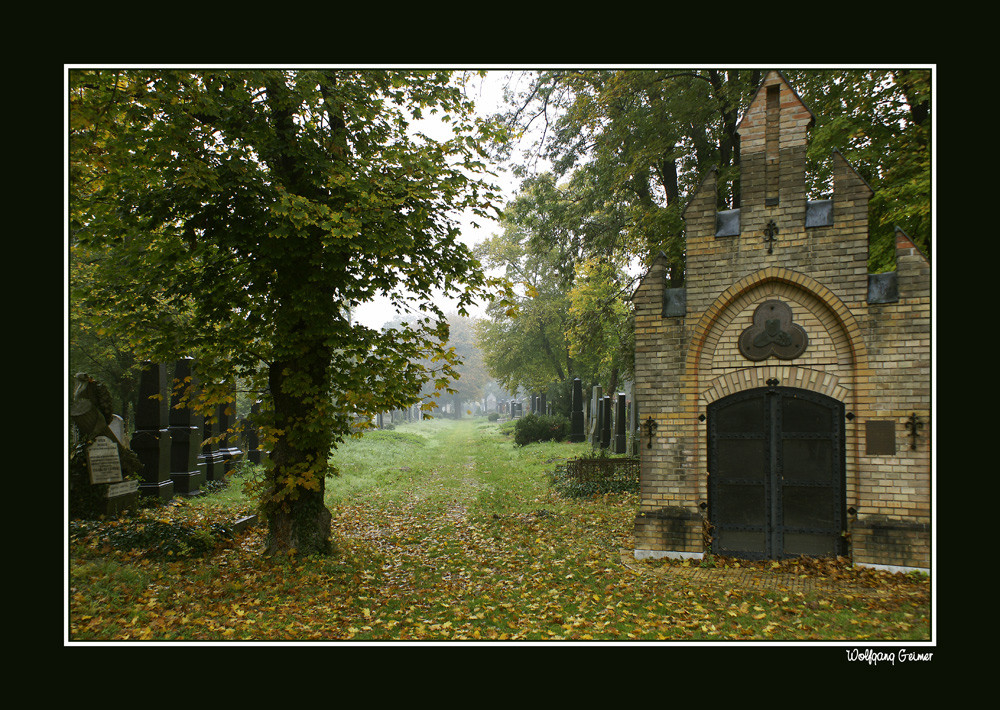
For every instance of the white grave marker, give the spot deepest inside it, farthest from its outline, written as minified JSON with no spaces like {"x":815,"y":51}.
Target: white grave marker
{"x":123,"y":488}
{"x":103,"y":462}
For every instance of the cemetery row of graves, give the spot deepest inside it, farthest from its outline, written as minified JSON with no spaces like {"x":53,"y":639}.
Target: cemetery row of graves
{"x":173,"y":452}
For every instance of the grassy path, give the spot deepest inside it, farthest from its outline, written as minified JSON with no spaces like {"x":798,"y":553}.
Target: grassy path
{"x":445,"y":531}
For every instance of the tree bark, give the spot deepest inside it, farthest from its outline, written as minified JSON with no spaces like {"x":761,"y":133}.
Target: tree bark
{"x":300,"y":523}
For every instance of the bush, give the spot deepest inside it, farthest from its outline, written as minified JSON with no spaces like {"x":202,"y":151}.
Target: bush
{"x":155,"y":539}
{"x":493,"y":416}
{"x":534,"y":427}
{"x":623,"y":479}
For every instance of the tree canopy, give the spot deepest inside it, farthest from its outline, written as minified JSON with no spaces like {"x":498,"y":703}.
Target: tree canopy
{"x":650,"y":136}
{"x":238,"y":216}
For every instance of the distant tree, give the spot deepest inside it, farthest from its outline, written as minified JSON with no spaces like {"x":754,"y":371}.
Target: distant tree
{"x":601,"y":328}
{"x":523,"y":343}
{"x":239,"y":216}
{"x":469,"y":378}
{"x":473,"y":377}
{"x":564,"y":246}
{"x":647,"y":137}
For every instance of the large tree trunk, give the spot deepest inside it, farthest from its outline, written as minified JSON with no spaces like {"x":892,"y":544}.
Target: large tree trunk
{"x":297,"y":518}
{"x":303,"y":529}
{"x":298,"y":522}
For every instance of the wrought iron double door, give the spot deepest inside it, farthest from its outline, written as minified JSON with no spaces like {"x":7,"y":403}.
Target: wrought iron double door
{"x":776,"y":474}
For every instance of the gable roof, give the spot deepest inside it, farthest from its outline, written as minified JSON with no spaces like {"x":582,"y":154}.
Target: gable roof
{"x":784,"y":80}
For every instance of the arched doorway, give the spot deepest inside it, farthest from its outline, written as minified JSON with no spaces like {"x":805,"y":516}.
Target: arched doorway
{"x":776,"y":459}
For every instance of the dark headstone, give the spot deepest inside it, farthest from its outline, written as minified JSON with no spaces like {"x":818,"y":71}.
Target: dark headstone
{"x":577,"y":433}
{"x":210,"y":457}
{"x":605,"y":416}
{"x":185,"y":435}
{"x":151,"y":440}
{"x":230,"y":452}
{"x":620,"y":425}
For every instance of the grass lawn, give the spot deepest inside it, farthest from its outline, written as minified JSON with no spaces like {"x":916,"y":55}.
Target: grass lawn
{"x":444,"y":531}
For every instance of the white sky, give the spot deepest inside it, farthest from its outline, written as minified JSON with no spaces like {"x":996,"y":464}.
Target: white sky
{"x":488,"y":95}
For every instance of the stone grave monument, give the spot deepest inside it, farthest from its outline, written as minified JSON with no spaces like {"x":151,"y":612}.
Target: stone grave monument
{"x":103,"y":472}
{"x":606,"y":421}
{"x":577,"y":434}
{"x":151,"y":440}
{"x":185,"y":436}
{"x":620,"y":424}
{"x":228,"y":450}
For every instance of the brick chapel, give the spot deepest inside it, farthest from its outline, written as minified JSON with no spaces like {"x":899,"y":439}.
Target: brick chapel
{"x":785,"y":392}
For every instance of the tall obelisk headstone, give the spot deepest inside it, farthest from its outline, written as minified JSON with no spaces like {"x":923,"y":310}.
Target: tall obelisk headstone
{"x":185,"y":435}
{"x":151,"y":440}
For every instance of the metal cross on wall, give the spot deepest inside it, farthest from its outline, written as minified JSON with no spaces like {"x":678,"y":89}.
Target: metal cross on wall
{"x":769,"y":231}
{"x":914,"y":425}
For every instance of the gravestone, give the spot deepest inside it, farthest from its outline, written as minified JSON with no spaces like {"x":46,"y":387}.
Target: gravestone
{"x":606,"y":421}
{"x":104,"y":466}
{"x":102,"y":470}
{"x":185,"y":436}
{"x":151,"y":440}
{"x":230,"y":452}
{"x":102,"y":461}
{"x":117,"y":427}
{"x":620,"y":425}
{"x":210,"y":457}
{"x":577,"y":433}
{"x":595,"y":415}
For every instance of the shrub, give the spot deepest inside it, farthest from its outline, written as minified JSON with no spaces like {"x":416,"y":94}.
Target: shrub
{"x":156,"y":539}
{"x":533,"y":427}
{"x":493,"y":416}
{"x":619,"y":476}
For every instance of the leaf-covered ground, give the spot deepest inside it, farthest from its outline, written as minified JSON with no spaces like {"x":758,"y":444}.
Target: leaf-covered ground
{"x":445,"y":531}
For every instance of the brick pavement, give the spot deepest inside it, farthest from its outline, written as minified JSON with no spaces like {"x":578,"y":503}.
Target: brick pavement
{"x":752,"y":579}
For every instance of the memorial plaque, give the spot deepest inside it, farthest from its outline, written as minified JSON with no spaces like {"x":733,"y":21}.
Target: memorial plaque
{"x":103,"y":461}
{"x":122,"y":489}
{"x":880,"y":437}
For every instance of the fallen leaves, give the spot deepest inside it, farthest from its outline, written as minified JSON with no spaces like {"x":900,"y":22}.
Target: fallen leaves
{"x":452,"y":555}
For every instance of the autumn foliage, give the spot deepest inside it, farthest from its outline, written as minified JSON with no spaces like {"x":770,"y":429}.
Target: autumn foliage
{"x":447,"y":531}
